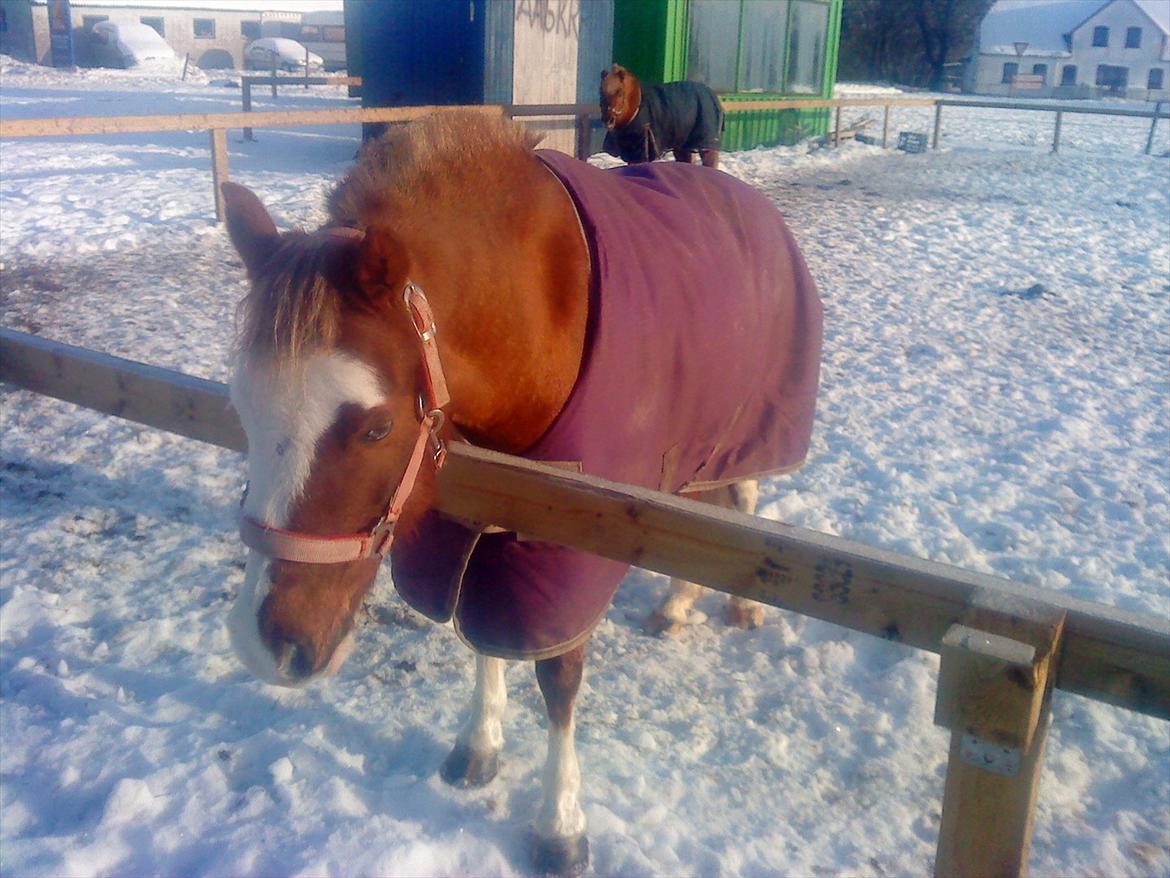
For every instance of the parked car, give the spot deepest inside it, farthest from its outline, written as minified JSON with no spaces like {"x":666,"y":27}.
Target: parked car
{"x":128,"y":44}
{"x":289,"y":54}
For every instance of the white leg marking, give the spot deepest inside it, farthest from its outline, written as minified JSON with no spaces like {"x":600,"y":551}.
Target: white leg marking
{"x":484,"y":731}
{"x":560,"y":813}
{"x":676,"y":606}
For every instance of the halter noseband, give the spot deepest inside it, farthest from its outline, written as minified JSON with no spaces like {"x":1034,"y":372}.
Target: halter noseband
{"x":306,"y":548}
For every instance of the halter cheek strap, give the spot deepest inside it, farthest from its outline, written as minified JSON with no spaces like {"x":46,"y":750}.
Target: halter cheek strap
{"x":288,"y":545}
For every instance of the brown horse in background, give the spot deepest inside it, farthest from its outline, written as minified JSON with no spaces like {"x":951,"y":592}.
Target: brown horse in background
{"x":460,"y":293}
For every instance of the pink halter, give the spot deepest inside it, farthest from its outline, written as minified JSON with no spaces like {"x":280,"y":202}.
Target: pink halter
{"x":305,"y":548}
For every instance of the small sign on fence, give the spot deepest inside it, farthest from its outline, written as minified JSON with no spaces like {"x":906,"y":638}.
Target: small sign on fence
{"x":912,"y":141}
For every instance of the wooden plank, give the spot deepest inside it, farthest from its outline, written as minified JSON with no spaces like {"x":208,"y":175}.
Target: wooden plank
{"x":1054,"y":107}
{"x":735,"y":106}
{"x":161,"y":398}
{"x":1109,"y":654}
{"x":995,"y":695}
{"x":1114,"y":656}
{"x":76,"y":125}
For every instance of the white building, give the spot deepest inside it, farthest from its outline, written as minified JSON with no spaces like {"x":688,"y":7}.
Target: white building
{"x":1072,"y":49}
{"x":212,"y":33}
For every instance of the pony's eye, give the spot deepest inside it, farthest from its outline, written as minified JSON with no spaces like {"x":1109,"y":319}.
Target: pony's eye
{"x":378,"y":433}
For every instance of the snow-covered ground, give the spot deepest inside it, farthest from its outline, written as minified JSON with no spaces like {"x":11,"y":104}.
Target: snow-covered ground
{"x":996,"y":394}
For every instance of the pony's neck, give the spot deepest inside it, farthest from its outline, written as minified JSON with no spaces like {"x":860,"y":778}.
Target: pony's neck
{"x":509,"y":283}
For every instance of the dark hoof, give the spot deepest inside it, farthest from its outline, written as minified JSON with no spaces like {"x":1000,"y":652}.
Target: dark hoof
{"x":560,"y":856}
{"x":465,"y":767}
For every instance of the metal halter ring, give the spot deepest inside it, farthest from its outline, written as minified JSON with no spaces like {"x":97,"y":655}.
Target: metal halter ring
{"x":425,"y":333}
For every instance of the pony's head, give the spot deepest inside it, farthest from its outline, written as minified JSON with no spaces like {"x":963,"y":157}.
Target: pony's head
{"x":621,"y":96}
{"x":339,"y":382}
{"x":332,"y":388}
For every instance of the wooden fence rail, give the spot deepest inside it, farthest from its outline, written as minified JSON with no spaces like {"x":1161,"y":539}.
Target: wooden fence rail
{"x":1003,"y":646}
{"x":218,"y":124}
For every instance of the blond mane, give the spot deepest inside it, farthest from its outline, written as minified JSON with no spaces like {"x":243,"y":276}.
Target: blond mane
{"x":411,"y":174}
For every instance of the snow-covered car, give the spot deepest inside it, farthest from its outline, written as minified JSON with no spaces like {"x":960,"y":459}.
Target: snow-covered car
{"x":289,"y":54}
{"x":128,"y":44}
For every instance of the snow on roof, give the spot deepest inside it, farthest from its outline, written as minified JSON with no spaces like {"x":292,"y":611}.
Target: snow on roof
{"x":1158,"y":10}
{"x":216,"y":5}
{"x":1042,"y":24}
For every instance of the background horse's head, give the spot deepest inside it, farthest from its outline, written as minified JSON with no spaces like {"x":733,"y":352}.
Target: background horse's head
{"x":621,"y":95}
{"x":326,"y":384}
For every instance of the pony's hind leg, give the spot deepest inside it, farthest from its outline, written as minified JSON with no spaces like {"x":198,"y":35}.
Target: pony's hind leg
{"x":676,"y":609}
{"x":475,"y":757}
{"x":709,"y":158}
{"x":742,"y":612}
{"x":686,"y":156}
{"x":559,"y":845}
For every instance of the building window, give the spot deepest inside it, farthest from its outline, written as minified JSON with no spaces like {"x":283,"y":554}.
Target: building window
{"x":88,"y":21}
{"x":1010,"y":69}
{"x":714,"y":27}
{"x":761,"y":60}
{"x":1155,"y":82}
{"x":1041,"y":70}
{"x":807,"y":28}
{"x":250,"y":30}
{"x":156,"y":23}
{"x":1112,"y":79}
{"x":1133,"y":38}
{"x":1068,"y":76}
{"x":1101,"y":36}
{"x":204,"y":28}
{"x":758,"y":46}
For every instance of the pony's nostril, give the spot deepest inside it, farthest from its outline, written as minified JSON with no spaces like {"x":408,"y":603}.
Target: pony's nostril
{"x":294,"y":659}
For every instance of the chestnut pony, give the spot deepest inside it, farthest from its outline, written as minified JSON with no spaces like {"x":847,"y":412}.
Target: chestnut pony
{"x":451,"y":298}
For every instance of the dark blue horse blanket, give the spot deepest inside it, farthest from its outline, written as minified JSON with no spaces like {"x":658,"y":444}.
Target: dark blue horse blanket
{"x":701,"y":367}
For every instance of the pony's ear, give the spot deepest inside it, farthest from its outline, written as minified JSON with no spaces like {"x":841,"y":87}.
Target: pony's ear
{"x":618,"y":71}
{"x":249,"y":226}
{"x":382,"y":263}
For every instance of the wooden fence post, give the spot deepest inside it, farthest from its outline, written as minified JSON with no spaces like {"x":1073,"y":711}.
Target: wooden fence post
{"x":994,"y":694}
{"x":246,"y":92}
{"x":219,"y":167}
{"x":1153,"y":125}
{"x":274,"y":76}
{"x":886,"y":127}
{"x":583,"y":140}
{"x":837,"y":129}
{"x":1056,"y":133}
{"x":937,"y":124}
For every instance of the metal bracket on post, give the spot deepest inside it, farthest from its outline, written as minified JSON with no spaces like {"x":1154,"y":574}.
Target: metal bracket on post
{"x":994,"y":694}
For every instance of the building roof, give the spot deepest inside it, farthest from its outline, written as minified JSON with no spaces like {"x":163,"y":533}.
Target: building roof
{"x":1043,"y":24}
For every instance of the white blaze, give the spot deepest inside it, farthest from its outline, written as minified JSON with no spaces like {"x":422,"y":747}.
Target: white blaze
{"x":284,"y":416}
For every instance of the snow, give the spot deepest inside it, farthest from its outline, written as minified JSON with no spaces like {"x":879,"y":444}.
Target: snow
{"x":996,"y":394}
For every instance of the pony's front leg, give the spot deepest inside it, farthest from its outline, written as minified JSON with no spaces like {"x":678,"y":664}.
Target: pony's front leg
{"x":475,"y":757}
{"x":560,"y":846}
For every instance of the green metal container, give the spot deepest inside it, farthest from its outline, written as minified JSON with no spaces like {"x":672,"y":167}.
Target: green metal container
{"x":653,"y":38}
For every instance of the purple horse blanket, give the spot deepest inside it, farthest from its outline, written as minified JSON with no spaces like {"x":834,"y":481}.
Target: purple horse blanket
{"x":701,"y":367}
